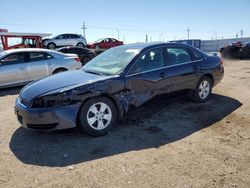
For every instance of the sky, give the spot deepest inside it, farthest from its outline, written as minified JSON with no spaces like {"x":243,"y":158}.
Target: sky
{"x":132,"y":19}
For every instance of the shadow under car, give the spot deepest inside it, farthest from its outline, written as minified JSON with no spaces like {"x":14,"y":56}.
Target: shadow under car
{"x":155,"y":124}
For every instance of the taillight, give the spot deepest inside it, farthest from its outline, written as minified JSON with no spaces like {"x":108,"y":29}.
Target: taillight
{"x":77,"y":59}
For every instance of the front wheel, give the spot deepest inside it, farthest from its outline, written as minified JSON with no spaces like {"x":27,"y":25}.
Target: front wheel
{"x":80,"y":45}
{"x":97,"y":116}
{"x":51,"y":46}
{"x":203,"y":90}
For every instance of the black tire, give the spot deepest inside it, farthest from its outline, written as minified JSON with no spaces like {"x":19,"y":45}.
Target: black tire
{"x":80,"y":44}
{"x":85,"y":113}
{"x":197,"y":96}
{"x":85,"y":60}
{"x":51,"y":46}
{"x":59,"y":70}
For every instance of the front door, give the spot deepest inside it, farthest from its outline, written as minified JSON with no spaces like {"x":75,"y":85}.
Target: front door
{"x":14,"y":69}
{"x":39,"y":63}
{"x":143,"y":80}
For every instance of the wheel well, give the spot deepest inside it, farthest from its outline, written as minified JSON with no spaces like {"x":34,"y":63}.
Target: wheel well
{"x":59,"y":69}
{"x":210,"y":76}
{"x":118,"y":107}
{"x":51,"y":43}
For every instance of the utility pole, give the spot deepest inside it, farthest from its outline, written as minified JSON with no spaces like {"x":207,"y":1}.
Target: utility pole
{"x":146,"y":38}
{"x":188,"y":32}
{"x":84,"y":28}
{"x":118,"y":33}
{"x":241,"y":33}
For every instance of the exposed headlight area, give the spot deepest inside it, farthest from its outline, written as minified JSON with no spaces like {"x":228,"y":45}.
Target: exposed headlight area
{"x":54,"y":100}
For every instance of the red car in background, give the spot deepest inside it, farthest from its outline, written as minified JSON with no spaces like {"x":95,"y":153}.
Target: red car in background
{"x":105,"y":43}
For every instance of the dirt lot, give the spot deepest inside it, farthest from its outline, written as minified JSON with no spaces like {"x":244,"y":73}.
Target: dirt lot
{"x":174,"y":143}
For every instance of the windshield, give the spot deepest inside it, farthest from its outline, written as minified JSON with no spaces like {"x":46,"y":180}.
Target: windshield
{"x":99,"y":40}
{"x":112,"y":61}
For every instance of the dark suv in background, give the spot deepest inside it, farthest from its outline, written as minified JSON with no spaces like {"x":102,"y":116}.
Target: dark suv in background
{"x":84,"y":54}
{"x":236,"y":50}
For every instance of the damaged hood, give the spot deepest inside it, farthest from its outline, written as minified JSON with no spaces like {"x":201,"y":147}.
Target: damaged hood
{"x":67,"y":80}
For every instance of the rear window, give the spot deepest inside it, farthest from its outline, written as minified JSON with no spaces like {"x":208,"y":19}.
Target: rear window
{"x":197,"y":56}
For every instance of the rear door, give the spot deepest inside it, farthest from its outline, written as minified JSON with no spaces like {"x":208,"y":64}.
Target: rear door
{"x":144,"y":79}
{"x":182,"y":70}
{"x":14,"y":69}
{"x":38,"y":66}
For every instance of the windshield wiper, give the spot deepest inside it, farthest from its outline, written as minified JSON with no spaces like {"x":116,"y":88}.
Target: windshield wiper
{"x":91,"y":72}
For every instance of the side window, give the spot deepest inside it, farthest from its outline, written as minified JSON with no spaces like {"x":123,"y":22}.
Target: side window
{"x":64,"y":51}
{"x":48,"y":56}
{"x":13,"y":59}
{"x":75,"y":36}
{"x":36,"y":56}
{"x":178,"y":56}
{"x":66,"y":36}
{"x":39,"y":56}
{"x":150,"y":60}
{"x":60,"y":37}
{"x":197,"y":56}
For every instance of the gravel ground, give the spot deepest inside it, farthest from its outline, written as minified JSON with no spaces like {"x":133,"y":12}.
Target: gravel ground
{"x":169,"y":143}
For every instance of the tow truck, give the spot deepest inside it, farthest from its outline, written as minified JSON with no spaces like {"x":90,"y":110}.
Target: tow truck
{"x":28,"y":40}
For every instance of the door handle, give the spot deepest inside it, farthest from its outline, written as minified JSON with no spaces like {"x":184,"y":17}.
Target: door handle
{"x":162,"y":75}
{"x":195,"y":67}
{"x":22,"y":68}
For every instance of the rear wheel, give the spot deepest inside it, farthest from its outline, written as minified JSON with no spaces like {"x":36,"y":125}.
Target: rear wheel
{"x":203,"y":90}
{"x":97,"y":116}
{"x":51,"y":46}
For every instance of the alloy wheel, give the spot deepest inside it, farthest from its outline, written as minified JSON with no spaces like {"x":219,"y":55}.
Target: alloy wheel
{"x":204,"y":89}
{"x":99,"y":116}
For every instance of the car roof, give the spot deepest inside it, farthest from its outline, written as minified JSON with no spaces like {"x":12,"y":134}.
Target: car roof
{"x":68,"y":34}
{"x":27,"y":50}
{"x":154,"y":44}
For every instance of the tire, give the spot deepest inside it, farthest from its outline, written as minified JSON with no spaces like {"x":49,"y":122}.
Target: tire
{"x":59,"y":70}
{"x":80,"y":44}
{"x":203,"y":90}
{"x":92,"y":119}
{"x":85,"y":60}
{"x":51,"y":46}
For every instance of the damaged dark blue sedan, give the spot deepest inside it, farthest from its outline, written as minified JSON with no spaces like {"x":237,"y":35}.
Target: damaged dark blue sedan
{"x":101,"y":93}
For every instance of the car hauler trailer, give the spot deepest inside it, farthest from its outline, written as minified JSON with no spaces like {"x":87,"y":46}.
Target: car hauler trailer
{"x":28,"y":40}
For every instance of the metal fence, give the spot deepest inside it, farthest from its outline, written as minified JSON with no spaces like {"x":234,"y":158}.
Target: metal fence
{"x":215,"y":45}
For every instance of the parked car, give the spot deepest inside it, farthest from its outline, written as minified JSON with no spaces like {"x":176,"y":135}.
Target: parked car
{"x":20,"y":66}
{"x":84,"y":54}
{"x":231,"y":50}
{"x":245,"y":51}
{"x":66,"y":39}
{"x":105,"y":43}
{"x":97,"y":96}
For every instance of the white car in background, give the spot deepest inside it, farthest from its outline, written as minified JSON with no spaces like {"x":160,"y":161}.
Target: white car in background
{"x":66,"y":39}
{"x":21,"y":66}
